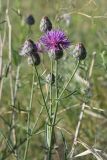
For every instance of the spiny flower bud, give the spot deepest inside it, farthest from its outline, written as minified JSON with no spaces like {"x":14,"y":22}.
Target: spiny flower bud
{"x":45,"y":24}
{"x":30,"y":20}
{"x":50,"y":78}
{"x":28,"y":48}
{"x":80,"y":52}
{"x":56,"y":54}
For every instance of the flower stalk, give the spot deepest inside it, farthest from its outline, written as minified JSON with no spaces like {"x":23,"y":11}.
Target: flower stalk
{"x":55,"y":113}
{"x":42,"y":94}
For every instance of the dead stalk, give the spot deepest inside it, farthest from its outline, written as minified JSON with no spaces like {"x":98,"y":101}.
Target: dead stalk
{"x":13,"y":95}
{"x":1,"y":52}
{"x":82,"y":110}
{"x":2,"y":41}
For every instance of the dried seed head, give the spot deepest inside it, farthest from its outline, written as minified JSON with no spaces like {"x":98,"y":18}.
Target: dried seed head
{"x":50,"y":78}
{"x":67,"y":18}
{"x":30,"y":20}
{"x":79,"y":52}
{"x":28,"y":48}
{"x":45,"y":24}
{"x":64,"y":17}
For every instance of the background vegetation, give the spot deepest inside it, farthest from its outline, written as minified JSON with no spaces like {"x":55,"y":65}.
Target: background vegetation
{"x":88,"y":24}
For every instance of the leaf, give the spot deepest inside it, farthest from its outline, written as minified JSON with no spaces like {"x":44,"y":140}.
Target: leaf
{"x":65,"y":146}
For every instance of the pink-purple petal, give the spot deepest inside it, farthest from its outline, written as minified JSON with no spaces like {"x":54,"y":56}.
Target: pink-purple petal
{"x":54,"y":39}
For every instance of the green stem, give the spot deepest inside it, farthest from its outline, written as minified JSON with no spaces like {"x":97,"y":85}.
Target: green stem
{"x":55,"y":112}
{"x":63,"y":90}
{"x":51,"y":88}
{"x":28,"y":120}
{"x":41,"y":110}
{"x":41,"y":90}
{"x":56,"y":86}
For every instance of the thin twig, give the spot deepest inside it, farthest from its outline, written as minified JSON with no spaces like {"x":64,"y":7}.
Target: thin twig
{"x":92,"y":65}
{"x":77,"y":131}
{"x":88,"y":16}
{"x":1,"y":52}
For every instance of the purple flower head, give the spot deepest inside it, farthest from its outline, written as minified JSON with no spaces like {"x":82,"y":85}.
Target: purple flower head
{"x":55,"y":40}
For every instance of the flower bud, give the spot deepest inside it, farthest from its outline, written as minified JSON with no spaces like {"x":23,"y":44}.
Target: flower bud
{"x":45,"y":24}
{"x":56,"y":54}
{"x":30,"y":20}
{"x":28,"y":48}
{"x":50,"y":78}
{"x":80,"y":52}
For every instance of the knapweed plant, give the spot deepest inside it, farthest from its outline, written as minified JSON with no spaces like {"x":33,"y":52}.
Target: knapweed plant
{"x":54,"y":43}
